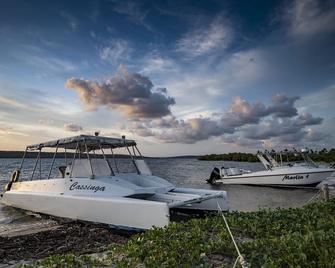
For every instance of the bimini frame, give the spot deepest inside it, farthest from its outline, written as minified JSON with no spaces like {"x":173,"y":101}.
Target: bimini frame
{"x":269,"y":161}
{"x":84,"y":144}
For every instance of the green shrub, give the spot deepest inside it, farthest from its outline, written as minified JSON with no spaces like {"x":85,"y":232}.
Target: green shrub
{"x":301,"y":237}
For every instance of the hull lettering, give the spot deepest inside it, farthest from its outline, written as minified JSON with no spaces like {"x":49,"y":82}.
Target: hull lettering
{"x":294,"y":177}
{"x":90,"y":187}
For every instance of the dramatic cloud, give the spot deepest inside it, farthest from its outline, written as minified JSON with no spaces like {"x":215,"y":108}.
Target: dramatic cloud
{"x":205,"y":54}
{"x":200,"y":41}
{"x":72,"y":127}
{"x":283,"y":106}
{"x":242,"y":112}
{"x":131,"y":93}
{"x":280,"y":127}
{"x":243,"y":122}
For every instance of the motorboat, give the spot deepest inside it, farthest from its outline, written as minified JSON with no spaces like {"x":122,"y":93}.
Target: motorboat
{"x":91,"y":185}
{"x":305,"y":173}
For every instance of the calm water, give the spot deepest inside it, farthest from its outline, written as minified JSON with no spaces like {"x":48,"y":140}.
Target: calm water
{"x":181,"y":172}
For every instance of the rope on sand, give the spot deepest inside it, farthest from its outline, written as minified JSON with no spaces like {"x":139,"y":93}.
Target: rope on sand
{"x":313,"y":197}
{"x":239,"y":258}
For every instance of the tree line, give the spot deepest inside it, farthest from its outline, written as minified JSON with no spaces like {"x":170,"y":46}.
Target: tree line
{"x":323,"y":155}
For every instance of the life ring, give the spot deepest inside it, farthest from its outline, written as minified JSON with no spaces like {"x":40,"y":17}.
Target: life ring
{"x":15,"y":176}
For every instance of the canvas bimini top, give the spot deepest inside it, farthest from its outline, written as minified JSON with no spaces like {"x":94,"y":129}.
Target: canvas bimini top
{"x":84,"y":141}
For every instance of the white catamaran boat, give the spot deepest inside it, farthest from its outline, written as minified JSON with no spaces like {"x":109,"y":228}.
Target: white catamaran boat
{"x":92,"y":188}
{"x":307,"y":173}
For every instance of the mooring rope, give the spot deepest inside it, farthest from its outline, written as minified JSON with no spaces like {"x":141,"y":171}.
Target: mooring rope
{"x":313,"y":197}
{"x":240,"y":258}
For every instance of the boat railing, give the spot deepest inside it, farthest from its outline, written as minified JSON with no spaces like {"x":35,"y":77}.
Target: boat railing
{"x":274,"y":159}
{"x":264,"y":161}
{"x":85,"y":147}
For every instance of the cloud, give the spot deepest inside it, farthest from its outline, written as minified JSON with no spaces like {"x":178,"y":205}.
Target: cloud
{"x":46,"y":122}
{"x":71,"y":20}
{"x":171,"y":130}
{"x":51,"y":64}
{"x":203,"y":40}
{"x":117,"y":50}
{"x":239,"y":141}
{"x":273,"y":127}
{"x":321,"y":101}
{"x":306,"y":119}
{"x":283,"y":106}
{"x":134,"y":11}
{"x":308,"y":17}
{"x":131,"y":93}
{"x":6,"y":130}
{"x":244,"y":122}
{"x":313,"y":135}
{"x":154,"y":64}
{"x":72,"y":127}
{"x":287,"y":129}
{"x":11,"y":102}
{"x":241,"y":112}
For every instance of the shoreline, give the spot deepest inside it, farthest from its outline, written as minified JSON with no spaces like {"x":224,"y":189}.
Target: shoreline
{"x":58,"y":238}
{"x":277,"y":237}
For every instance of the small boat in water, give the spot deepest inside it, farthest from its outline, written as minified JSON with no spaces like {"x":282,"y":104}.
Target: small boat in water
{"x":306,"y":173}
{"x":92,"y":187}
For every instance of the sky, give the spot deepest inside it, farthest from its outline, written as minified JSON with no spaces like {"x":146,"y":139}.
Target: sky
{"x":179,"y":77}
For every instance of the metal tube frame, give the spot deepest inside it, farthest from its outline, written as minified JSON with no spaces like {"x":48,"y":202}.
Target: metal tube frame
{"x":37,"y":158}
{"x":24,"y":156}
{"x":117,"y":169}
{"x":53,"y":161}
{"x":110,"y":167}
{"x":40,"y":164}
{"x":132,"y":158}
{"x":88,"y":158}
{"x":74,"y":157}
{"x":65,"y":156}
{"x":138,"y":151}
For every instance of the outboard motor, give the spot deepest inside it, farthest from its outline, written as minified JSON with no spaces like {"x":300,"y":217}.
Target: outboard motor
{"x":215,"y":175}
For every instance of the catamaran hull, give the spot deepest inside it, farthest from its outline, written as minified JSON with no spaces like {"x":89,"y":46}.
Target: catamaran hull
{"x":118,"y":211}
{"x":121,"y":212}
{"x":289,"y":179}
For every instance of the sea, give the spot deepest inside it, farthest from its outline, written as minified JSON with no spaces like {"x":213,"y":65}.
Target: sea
{"x":183,"y":172}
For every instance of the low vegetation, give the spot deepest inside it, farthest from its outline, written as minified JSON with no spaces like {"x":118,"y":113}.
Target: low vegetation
{"x":240,"y":157}
{"x":301,"y":237}
{"x":323,"y":155}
